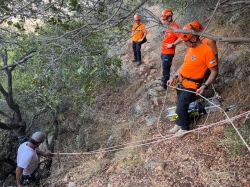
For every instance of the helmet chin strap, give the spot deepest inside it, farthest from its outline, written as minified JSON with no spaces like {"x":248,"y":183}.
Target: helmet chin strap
{"x":193,"y":43}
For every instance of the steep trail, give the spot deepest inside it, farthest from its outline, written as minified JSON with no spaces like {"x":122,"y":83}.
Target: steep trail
{"x":197,"y":160}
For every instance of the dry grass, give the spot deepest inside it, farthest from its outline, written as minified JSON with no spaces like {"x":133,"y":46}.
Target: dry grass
{"x":79,"y":169}
{"x":132,"y":156}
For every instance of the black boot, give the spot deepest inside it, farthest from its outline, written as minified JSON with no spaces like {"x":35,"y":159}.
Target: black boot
{"x":164,"y":85}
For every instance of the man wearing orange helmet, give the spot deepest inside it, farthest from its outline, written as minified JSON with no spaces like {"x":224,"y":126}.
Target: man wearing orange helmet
{"x":138,"y":38}
{"x":169,"y":42}
{"x":27,"y":160}
{"x":211,"y":43}
{"x":199,"y":57}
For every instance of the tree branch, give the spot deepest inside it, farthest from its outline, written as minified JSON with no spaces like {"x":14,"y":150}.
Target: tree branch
{"x":235,"y":3}
{"x":213,"y":37}
{"x":15,"y":63}
{"x":6,"y":116}
{"x":11,"y":126}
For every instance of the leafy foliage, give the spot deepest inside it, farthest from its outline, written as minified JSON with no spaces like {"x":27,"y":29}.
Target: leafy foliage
{"x":61,"y":74}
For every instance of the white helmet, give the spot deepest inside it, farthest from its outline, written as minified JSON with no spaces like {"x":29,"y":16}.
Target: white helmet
{"x":38,"y":136}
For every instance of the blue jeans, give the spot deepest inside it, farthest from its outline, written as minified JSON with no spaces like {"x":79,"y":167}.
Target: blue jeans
{"x":184,"y":99}
{"x":166,"y":65}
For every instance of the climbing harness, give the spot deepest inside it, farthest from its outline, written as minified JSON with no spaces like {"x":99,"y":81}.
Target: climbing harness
{"x":197,"y":81}
{"x":175,"y":81}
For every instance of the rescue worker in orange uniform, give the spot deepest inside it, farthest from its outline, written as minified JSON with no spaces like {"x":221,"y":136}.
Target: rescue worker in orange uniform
{"x":211,"y":43}
{"x":199,"y":57}
{"x":169,"y":42}
{"x":138,"y":38}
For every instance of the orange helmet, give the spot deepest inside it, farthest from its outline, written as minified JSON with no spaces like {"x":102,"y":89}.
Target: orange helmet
{"x":165,"y":13}
{"x":195,"y":26}
{"x":136,"y":17}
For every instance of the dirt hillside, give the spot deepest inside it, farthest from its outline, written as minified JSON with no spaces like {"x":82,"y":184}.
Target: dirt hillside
{"x":134,"y":115}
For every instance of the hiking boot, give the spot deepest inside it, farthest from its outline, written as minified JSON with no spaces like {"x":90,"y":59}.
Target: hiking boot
{"x":164,"y":85}
{"x":175,"y":129}
{"x":180,"y":134}
{"x":134,"y":60}
{"x":138,"y":63}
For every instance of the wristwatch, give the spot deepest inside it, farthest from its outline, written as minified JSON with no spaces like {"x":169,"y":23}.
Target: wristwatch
{"x":172,"y":44}
{"x":203,"y":84}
